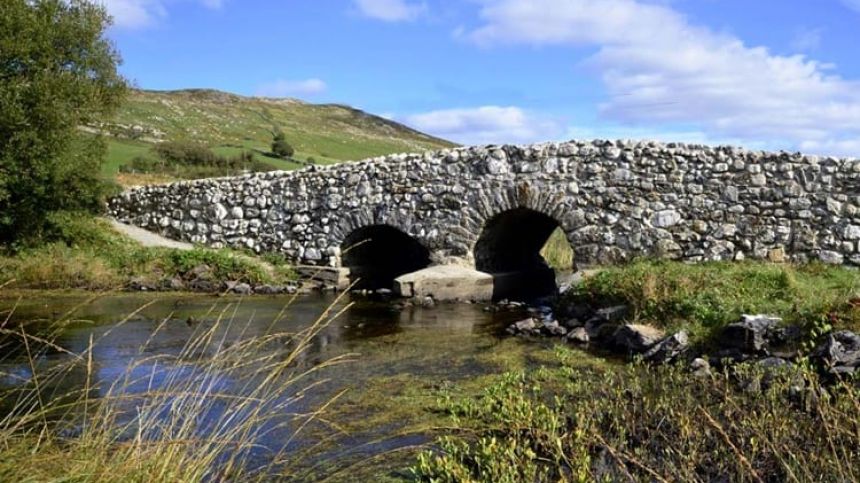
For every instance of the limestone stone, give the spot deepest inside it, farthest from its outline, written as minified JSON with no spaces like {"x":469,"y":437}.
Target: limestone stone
{"x":615,"y":200}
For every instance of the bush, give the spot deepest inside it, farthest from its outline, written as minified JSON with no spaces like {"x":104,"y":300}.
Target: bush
{"x":57,"y":72}
{"x":280,"y":146}
{"x":190,"y":160}
{"x":187,"y":154}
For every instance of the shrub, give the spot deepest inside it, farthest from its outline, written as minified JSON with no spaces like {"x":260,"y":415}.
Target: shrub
{"x":280,"y":146}
{"x":191,"y":160}
{"x":57,"y":72}
{"x":187,"y":154}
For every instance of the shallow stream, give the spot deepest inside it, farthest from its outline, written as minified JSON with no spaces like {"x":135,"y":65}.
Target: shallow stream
{"x":403,"y":360}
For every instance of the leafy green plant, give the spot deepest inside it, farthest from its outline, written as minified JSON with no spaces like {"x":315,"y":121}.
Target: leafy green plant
{"x":280,"y":146}
{"x":643,"y":423}
{"x":58,"y":71}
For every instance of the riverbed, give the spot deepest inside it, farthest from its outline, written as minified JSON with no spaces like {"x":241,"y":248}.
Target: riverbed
{"x":399,"y":361}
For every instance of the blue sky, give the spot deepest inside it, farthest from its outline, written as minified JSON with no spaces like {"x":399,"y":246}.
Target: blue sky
{"x":759,"y":73}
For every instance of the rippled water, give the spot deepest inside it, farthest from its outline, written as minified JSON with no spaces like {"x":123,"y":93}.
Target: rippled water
{"x":402,"y":357}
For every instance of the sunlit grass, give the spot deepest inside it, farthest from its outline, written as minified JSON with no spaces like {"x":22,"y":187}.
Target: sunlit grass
{"x":557,"y":251}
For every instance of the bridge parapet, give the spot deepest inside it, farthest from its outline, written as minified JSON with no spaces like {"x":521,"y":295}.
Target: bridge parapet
{"x":615,"y":200}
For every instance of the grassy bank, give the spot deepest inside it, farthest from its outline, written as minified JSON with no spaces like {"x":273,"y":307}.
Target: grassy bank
{"x":704,"y":297}
{"x":90,"y":255}
{"x":649,"y":424}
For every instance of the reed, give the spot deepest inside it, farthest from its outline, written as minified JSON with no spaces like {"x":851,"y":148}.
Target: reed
{"x":200,"y":413}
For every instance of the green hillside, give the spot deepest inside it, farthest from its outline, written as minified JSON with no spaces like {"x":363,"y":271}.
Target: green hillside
{"x":230,"y":124}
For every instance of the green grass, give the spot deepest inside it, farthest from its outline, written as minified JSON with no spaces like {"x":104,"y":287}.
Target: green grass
{"x":704,"y":297}
{"x":557,"y":251}
{"x":639,"y":423}
{"x":229,"y":123}
{"x":90,"y":255}
{"x":121,"y":152}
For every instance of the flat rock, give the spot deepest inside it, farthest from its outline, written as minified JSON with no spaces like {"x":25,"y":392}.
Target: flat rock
{"x":446,"y":283}
{"x":637,"y":338}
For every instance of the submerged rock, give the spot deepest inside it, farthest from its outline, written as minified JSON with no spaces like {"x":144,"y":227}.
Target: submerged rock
{"x":525,"y":326}
{"x":268,"y":289}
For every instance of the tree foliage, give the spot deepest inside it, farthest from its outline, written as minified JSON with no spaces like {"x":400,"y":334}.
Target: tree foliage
{"x":58,"y":73}
{"x":280,"y":146}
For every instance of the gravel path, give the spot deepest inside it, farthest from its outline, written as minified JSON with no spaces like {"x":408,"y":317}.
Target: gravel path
{"x":148,"y":238}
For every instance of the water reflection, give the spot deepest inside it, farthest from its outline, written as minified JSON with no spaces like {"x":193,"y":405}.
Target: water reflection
{"x":148,"y":350}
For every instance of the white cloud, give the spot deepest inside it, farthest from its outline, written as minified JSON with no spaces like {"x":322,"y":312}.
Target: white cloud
{"x":658,"y":68}
{"x":133,"y":14}
{"x":485,"y":125}
{"x":290,"y":88}
{"x":391,"y":10}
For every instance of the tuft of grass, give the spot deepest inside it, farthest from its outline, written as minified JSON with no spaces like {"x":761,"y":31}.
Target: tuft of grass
{"x":703,"y":297}
{"x":201,"y":414}
{"x":649,"y":424}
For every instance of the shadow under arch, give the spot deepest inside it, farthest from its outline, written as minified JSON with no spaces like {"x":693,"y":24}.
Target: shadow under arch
{"x":377,"y":254}
{"x":509,"y":249}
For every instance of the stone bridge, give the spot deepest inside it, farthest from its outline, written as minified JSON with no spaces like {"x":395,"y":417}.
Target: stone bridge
{"x":493,"y":207}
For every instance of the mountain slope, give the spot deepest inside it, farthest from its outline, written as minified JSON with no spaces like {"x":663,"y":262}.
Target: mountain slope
{"x":230,"y":124}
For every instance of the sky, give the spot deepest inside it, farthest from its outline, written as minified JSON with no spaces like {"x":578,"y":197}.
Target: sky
{"x":765,"y":74}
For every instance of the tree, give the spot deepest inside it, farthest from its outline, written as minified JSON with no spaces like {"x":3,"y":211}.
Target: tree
{"x":58,"y":72}
{"x":280,"y":146}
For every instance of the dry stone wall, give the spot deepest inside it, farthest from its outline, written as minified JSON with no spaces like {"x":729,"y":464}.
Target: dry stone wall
{"x":615,"y":200}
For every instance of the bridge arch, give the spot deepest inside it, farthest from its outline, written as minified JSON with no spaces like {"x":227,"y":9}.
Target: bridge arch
{"x":509,"y":248}
{"x":377,"y":254}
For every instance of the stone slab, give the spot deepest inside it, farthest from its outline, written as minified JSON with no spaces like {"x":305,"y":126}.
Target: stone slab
{"x":446,"y":282}
{"x":336,"y":277}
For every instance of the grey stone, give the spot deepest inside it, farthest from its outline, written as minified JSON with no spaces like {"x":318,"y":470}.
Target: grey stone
{"x":700,"y":367}
{"x":636,"y":338}
{"x":615,"y":200}
{"x":578,"y":335}
{"x":751,"y":334}
{"x":840,"y":352}
{"x":525,"y":326}
{"x":669,"y":348}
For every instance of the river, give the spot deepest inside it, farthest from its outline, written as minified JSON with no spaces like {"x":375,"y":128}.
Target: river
{"x":400,"y":362}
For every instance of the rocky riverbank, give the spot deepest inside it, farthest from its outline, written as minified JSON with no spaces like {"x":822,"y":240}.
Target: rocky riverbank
{"x":762,"y":338}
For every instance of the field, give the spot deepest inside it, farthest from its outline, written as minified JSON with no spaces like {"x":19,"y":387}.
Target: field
{"x":230,"y":124}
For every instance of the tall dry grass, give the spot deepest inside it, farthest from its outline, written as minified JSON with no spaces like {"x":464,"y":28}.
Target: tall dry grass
{"x":202,"y":413}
